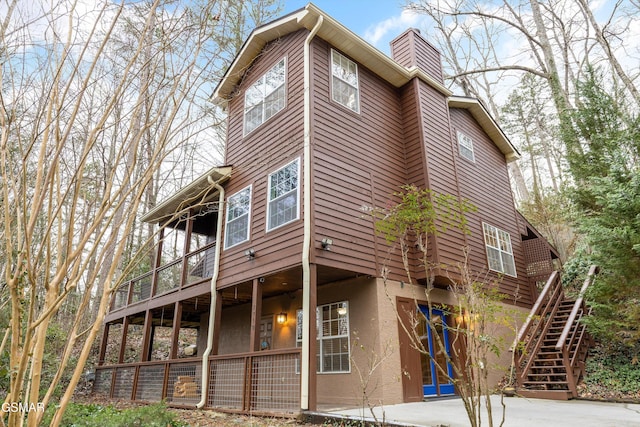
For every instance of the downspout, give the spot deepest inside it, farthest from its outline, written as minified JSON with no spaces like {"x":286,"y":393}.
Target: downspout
{"x":214,"y":294}
{"x":306,"y":245}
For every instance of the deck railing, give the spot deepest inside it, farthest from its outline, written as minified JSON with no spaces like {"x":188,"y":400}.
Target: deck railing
{"x":530,"y":337}
{"x":260,"y":382}
{"x":187,"y":270}
{"x":573,"y":340}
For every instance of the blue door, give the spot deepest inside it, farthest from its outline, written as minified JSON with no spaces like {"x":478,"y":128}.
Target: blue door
{"x":435,"y":382}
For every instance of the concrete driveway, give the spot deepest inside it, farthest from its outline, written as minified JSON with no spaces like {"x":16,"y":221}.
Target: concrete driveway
{"x":520,"y":412}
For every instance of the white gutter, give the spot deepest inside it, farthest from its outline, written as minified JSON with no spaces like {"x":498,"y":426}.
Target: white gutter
{"x":306,"y":245}
{"x":214,"y":294}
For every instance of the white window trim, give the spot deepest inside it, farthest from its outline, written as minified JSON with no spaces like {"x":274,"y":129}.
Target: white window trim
{"x":462,"y":137}
{"x":226,"y":221}
{"x":284,"y":83}
{"x":487,"y":246}
{"x":269,"y":196}
{"x":320,"y":338}
{"x":357,"y":88}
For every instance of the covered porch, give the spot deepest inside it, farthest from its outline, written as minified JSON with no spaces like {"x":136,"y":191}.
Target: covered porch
{"x":156,"y":349}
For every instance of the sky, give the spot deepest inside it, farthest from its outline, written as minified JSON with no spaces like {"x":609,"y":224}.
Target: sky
{"x":377,"y":21}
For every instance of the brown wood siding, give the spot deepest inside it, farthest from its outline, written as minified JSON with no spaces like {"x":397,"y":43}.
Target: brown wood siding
{"x":415,"y":148}
{"x":411,"y":49}
{"x":486,"y":183}
{"x":253,"y":157}
{"x":447,"y":247}
{"x":359,"y":162}
{"x":402,"y":50}
{"x":417,"y":173}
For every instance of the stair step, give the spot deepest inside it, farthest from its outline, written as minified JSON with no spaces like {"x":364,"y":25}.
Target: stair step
{"x":545,"y":394}
{"x":540,"y":362}
{"x":556,"y":384}
{"x":562,"y":377}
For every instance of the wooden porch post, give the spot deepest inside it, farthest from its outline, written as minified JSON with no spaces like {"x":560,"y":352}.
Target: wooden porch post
{"x":216,"y":323}
{"x":157,"y":262}
{"x":313,"y":342}
{"x":123,"y":340}
{"x":256,"y":314}
{"x":186,"y":249}
{"x":175,"y":332}
{"x":146,"y":337}
{"x":103,"y":345}
{"x":254,"y":342}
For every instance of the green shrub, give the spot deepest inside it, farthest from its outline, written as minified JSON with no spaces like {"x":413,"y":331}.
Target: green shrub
{"x":90,"y":415}
{"x":614,"y":369}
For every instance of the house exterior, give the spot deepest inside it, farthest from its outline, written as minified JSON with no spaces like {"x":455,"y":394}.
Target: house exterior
{"x":266,"y":283}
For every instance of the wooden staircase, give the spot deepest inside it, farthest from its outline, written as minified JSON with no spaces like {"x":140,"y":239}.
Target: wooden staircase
{"x":552,"y":345}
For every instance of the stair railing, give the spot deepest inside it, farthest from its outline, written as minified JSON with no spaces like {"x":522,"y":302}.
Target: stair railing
{"x":576,"y":339}
{"x":538,"y":322}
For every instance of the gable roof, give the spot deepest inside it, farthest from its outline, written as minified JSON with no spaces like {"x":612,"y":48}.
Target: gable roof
{"x":359,"y":50}
{"x":331,"y":31}
{"x":197,"y":193}
{"x":488,"y":124}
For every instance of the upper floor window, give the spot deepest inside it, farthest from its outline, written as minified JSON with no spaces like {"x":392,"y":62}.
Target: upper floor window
{"x":344,"y":82}
{"x":265,"y":97}
{"x":465,"y":145}
{"x":238,"y":213}
{"x":499,"y":250}
{"x":283,"y":195}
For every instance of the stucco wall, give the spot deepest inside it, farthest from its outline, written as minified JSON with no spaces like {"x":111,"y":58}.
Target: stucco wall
{"x":374,"y":338}
{"x":510,"y":318}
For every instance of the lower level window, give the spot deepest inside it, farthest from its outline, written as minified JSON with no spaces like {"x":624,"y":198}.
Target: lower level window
{"x":333,"y":349}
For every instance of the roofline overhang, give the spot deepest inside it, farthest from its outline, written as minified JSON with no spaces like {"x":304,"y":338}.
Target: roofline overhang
{"x":488,"y":124}
{"x":197,"y":193}
{"x":331,"y":31}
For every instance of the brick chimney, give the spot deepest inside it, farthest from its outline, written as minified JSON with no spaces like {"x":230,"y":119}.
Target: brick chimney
{"x":410,"y":49}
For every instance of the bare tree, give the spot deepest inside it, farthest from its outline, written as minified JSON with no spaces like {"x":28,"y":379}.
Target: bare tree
{"x":96,"y":97}
{"x":486,"y":44}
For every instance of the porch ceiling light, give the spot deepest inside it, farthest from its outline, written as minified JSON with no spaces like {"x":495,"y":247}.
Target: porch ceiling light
{"x":326,"y":243}
{"x":281,"y":318}
{"x":250,"y":253}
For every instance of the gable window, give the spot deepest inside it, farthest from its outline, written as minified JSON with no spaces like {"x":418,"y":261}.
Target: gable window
{"x":237,"y":223}
{"x":283,"y":196}
{"x":465,"y":145}
{"x":499,"y":250}
{"x":344,"y":82}
{"x":265,"y":97}
{"x":333,"y":350}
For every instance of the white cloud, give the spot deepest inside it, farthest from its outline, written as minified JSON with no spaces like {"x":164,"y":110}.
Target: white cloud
{"x":392,"y":27}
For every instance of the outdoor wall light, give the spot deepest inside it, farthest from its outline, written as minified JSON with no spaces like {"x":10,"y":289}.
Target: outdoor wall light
{"x":281,"y":318}
{"x":326,"y":243}
{"x":342,"y":309}
{"x":250,"y":253}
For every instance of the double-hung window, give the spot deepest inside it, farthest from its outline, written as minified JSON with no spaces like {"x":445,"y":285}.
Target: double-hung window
{"x":265,"y":97}
{"x":333,"y":349}
{"x":238,"y":218}
{"x":283,"y":195}
{"x":344,"y":82}
{"x":465,"y":146}
{"x":499,"y":250}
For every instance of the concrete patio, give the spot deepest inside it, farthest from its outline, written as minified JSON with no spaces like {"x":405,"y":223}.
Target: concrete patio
{"x":520,"y":412}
